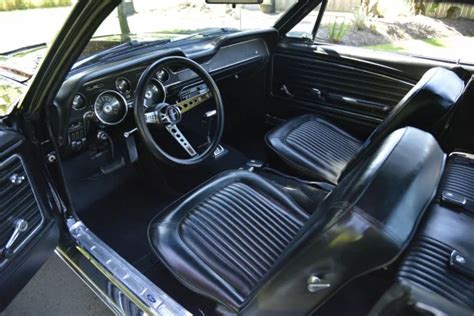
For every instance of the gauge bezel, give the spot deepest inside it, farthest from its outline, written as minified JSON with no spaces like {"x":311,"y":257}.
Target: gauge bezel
{"x":124,"y":102}
{"x":162,"y":87}
{"x":117,"y":86}
{"x":85,"y":102}
{"x":167,"y":73}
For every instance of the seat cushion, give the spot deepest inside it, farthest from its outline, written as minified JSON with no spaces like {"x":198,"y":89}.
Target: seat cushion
{"x":316,"y":148}
{"x":224,"y":238}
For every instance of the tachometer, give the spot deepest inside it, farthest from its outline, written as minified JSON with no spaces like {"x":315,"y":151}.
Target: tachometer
{"x":110,"y":107}
{"x":155,"y":93}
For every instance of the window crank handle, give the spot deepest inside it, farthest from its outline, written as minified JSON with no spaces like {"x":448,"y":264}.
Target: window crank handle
{"x":20,"y":226}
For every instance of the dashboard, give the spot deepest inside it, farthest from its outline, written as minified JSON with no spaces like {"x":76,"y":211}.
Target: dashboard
{"x":100,"y":98}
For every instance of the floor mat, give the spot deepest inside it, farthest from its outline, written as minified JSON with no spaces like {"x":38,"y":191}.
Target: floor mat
{"x":121,"y":218}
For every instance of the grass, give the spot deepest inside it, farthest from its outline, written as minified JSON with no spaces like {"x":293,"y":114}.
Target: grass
{"x":10,"y":5}
{"x":439,"y":42}
{"x":450,"y":48}
{"x":338,"y":29}
{"x":390,"y":47}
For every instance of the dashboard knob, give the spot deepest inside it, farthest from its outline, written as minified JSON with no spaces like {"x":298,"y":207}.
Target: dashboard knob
{"x":101,"y":135}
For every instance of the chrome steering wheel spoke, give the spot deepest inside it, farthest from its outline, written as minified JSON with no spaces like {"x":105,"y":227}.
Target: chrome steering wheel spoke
{"x":179,"y":137}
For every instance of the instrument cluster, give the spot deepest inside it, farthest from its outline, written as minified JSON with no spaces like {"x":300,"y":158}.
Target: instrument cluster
{"x":110,"y":98}
{"x":105,"y":102}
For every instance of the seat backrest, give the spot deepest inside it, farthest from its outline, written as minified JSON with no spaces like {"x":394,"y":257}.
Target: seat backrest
{"x":424,"y":107}
{"x":364,"y":224}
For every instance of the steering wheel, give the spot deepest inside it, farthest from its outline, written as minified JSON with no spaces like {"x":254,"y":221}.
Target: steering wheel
{"x":169,"y":115}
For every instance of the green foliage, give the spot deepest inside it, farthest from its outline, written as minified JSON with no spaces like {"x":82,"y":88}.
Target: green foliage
{"x":337,"y":30}
{"x":9,"y":5}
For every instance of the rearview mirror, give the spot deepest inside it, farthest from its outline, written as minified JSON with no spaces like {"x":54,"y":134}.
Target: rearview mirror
{"x":234,"y":1}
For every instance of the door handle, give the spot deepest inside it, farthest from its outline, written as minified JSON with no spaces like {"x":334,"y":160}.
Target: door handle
{"x":286,"y":91}
{"x":20,"y":226}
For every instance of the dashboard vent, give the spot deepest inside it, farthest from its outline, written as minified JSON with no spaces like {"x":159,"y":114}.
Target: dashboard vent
{"x":17,"y":201}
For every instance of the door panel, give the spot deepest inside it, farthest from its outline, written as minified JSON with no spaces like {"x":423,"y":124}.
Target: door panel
{"x":28,"y":231}
{"x":350,"y":89}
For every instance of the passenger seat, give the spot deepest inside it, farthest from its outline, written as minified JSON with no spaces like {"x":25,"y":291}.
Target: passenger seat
{"x":319,"y":150}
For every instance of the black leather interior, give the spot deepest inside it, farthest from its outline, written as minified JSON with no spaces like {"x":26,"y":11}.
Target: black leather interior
{"x":319,"y":150}
{"x":349,"y":88}
{"x":25,"y":200}
{"x":244,"y":243}
{"x":313,"y":146}
{"x":428,"y":264}
{"x":225,"y":237}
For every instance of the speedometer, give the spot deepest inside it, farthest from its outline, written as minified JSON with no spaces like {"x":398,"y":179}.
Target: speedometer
{"x":155,"y":93}
{"x":110,"y":107}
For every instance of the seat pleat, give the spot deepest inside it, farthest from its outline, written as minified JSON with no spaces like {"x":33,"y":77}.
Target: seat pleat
{"x":227,"y":250}
{"x":245,"y":244}
{"x":278,"y":211}
{"x":286,"y":226}
{"x":427,"y":265}
{"x":257,"y":228}
{"x":246,"y":256}
{"x":257,"y":212}
{"x":245,"y":229}
{"x":323,"y":145}
{"x":208,"y":246}
{"x":459,"y":177}
{"x":307,"y":138}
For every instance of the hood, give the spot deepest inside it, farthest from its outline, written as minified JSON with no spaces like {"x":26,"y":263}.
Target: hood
{"x":20,"y":65}
{"x":16,"y":69}
{"x":10,"y":93}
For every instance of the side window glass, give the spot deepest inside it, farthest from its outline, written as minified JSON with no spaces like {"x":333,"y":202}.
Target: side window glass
{"x":435,"y":30}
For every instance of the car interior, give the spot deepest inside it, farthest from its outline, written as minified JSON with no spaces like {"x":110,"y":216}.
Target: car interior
{"x":253,"y":173}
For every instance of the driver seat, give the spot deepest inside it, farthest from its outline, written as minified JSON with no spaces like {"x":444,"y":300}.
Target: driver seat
{"x":242,"y":242}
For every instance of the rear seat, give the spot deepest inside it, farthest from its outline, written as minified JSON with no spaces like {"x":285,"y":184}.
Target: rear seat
{"x":436,"y":276}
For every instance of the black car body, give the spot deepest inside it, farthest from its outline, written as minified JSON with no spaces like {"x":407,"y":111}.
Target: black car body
{"x":384,"y":208}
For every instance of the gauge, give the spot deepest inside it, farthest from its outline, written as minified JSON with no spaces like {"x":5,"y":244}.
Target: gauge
{"x":110,"y":107}
{"x":155,"y":93}
{"x":79,"y":102}
{"x":123,"y":85}
{"x":162,"y":75}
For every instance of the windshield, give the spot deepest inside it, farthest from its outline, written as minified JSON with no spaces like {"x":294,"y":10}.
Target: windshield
{"x":30,"y":26}
{"x":145,"y":21}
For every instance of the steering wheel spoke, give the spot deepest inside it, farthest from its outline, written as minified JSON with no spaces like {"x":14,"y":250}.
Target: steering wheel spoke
{"x":179,"y":137}
{"x":192,"y":102}
{"x":169,"y":116}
